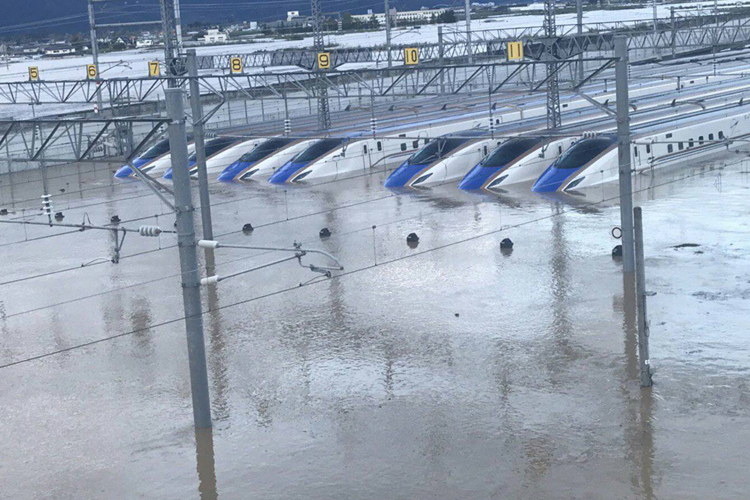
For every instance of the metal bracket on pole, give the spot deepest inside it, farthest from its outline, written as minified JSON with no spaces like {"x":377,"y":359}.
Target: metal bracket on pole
{"x":595,"y":103}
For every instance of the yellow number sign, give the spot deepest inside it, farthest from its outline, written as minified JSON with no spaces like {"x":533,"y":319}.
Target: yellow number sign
{"x":411,"y":55}
{"x":91,"y":71}
{"x":235,"y":65}
{"x":33,"y":73}
{"x":324,"y":60}
{"x":514,"y":51}
{"x":153,"y":69}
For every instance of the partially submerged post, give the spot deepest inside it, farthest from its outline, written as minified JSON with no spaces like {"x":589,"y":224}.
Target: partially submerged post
{"x":200,"y":147}
{"x":191,"y":296}
{"x":623,"y":154}
{"x":640,"y":285}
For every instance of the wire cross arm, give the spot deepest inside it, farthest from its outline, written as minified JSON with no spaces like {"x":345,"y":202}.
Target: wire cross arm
{"x":296,"y":249}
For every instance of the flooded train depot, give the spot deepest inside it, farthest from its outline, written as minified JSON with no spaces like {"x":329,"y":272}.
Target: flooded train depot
{"x":449,"y":368}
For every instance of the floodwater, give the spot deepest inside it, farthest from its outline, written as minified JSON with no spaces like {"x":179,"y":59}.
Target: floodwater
{"x":450,"y":370}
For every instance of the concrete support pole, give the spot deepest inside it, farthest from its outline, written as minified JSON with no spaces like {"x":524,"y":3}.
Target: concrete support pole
{"x":441,"y":57}
{"x":640,"y":290}
{"x":388,"y":32}
{"x":673,"y":41}
{"x":469,"y":56}
{"x":95,"y":55}
{"x":200,"y":147}
{"x":623,"y":154}
{"x":191,"y":295}
{"x":579,"y":22}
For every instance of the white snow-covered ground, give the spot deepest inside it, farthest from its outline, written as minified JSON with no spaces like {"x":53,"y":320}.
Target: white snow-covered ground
{"x":133,"y":63}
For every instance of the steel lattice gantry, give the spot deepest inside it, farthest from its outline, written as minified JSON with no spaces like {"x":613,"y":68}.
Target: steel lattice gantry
{"x":403,"y":81}
{"x":682,"y":33}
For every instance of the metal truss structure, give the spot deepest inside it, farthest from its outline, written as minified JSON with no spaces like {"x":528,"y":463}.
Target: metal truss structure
{"x":403,"y":81}
{"x":684,"y":33}
{"x":73,"y":140}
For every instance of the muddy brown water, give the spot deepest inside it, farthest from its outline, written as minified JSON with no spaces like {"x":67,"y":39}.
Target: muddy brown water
{"x":445,"y":371}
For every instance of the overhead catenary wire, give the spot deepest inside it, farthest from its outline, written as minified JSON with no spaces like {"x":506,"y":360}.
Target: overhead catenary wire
{"x":379,"y":265}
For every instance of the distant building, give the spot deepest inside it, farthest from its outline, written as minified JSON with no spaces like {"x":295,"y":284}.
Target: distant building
{"x":144,"y":43}
{"x":292,"y":14}
{"x":215,"y":36}
{"x":410,"y":16}
{"x":59,"y":50}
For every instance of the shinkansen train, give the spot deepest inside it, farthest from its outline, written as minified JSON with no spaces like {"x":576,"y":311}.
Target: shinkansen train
{"x":520,"y":159}
{"x":332,"y":157}
{"x":265,"y":158}
{"x":155,"y":160}
{"x":593,"y":161}
{"x":335,"y":156}
{"x":525,"y":158}
{"x":220,"y":153}
{"x":442,"y":159}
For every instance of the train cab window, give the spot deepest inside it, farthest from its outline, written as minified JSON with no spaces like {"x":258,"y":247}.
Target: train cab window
{"x":648,"y":149}
{"x":426,"y":141}
{"x":669,"y":136}
{"x":584,"y":151}
{"x":364,"y":148}
{"x":669,"y":148}
{"x":700,"y":140}
{"x":681,"y":146}
{"x":485,"y":151}
{"x":691,"y":143}
{"x":721,"y":134}
{"x":415,"y":144}
{"x":559,"y":150}
{"x":403,"y":146}
{"x":318,"y":149}
{"x":509,"y":151}
{"x":380,"y":146}
{"x":155,"y":151}
{"x":710,"y":137}
{"x":635,"y":151}
{"x":497,"y":121}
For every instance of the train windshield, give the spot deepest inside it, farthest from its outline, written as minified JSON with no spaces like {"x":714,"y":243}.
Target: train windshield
{"x":264,"y":149}
{"x":317,"y":150}
{"x":434,"y":150}
{"x":583,"y":152}
{"x":509,"y":151}
{"x":214,"y":146}
{"x":155,"y":151}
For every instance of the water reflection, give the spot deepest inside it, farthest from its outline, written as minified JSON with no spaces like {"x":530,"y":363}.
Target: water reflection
{"x":206,"y":466}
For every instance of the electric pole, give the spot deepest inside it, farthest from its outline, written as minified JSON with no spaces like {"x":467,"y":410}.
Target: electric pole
{"x":553,"y":92}
{"x":388,"y":32}
{"x":324,"y":113}
{"x":467,"y":7}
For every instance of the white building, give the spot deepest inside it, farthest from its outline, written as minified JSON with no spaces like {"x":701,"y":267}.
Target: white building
{"x":144,"y":43}
{"x":410,"y":16}
{"x":291,"y":15}
{"x":215,"y":36}
{"x":59,"y":50}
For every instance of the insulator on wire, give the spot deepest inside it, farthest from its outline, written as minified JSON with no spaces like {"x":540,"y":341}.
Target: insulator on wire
{"x":149,"y":230}
{"x":46,"y":204}
{"x":287,"y":126}
{"x":373,"y":125}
